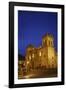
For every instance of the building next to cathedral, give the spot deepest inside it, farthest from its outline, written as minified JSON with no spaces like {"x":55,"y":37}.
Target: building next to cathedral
{"x":43,"y":56}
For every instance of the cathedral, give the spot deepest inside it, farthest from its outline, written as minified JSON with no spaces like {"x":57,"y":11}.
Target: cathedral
{"x":43,"y":56}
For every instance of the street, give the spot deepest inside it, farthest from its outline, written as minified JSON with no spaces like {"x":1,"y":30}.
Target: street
{"x":40,"y":74}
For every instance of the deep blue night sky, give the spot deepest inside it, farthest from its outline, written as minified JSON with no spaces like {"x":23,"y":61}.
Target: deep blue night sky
{"x":32,"y":26}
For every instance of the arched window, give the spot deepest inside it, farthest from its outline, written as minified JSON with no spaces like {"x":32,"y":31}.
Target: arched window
{"x":52,"y":58}
{"x":45,"y":42}
{"x":29,"y":57}
{"x":39,"y":53}
{"x":33,"y":55}
{"x":52,"y":64}
{"x":50,"y":43}
{"x":44,"y":55}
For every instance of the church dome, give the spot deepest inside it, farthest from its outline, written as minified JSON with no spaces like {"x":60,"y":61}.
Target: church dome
{"x":47,"y":35}
{"x":30,"y":46}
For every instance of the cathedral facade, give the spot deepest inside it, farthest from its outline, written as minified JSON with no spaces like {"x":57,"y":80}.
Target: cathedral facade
{"x":43,"y":56}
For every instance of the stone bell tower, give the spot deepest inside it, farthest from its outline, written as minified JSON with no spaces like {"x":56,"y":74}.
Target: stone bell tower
{"x":47,"y":40}
{"x":47,"y":43}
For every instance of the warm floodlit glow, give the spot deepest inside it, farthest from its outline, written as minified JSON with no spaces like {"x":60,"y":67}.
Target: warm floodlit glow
{"x":39,"y":53}
{"x":27,"y":62}
{"x":32,"y":55}
{"x":40,"y":61}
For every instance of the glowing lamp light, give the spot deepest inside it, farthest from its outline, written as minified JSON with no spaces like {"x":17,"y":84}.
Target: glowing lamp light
{"x":27,"y":62}
{"x":39,"y":53}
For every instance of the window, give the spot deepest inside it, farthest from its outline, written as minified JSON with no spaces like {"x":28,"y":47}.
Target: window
{"x":27,"y":62}
{"x":44,"y":55}
{"x":32,"y":55}
{"x":39,"y":53}
{"x":52,"y":58}
{"x":49,"y":43}
{"x":52,"y":64}
{"x":45,"y":42}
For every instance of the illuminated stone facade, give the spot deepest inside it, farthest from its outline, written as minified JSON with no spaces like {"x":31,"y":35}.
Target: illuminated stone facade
{"x":43,"y":56}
